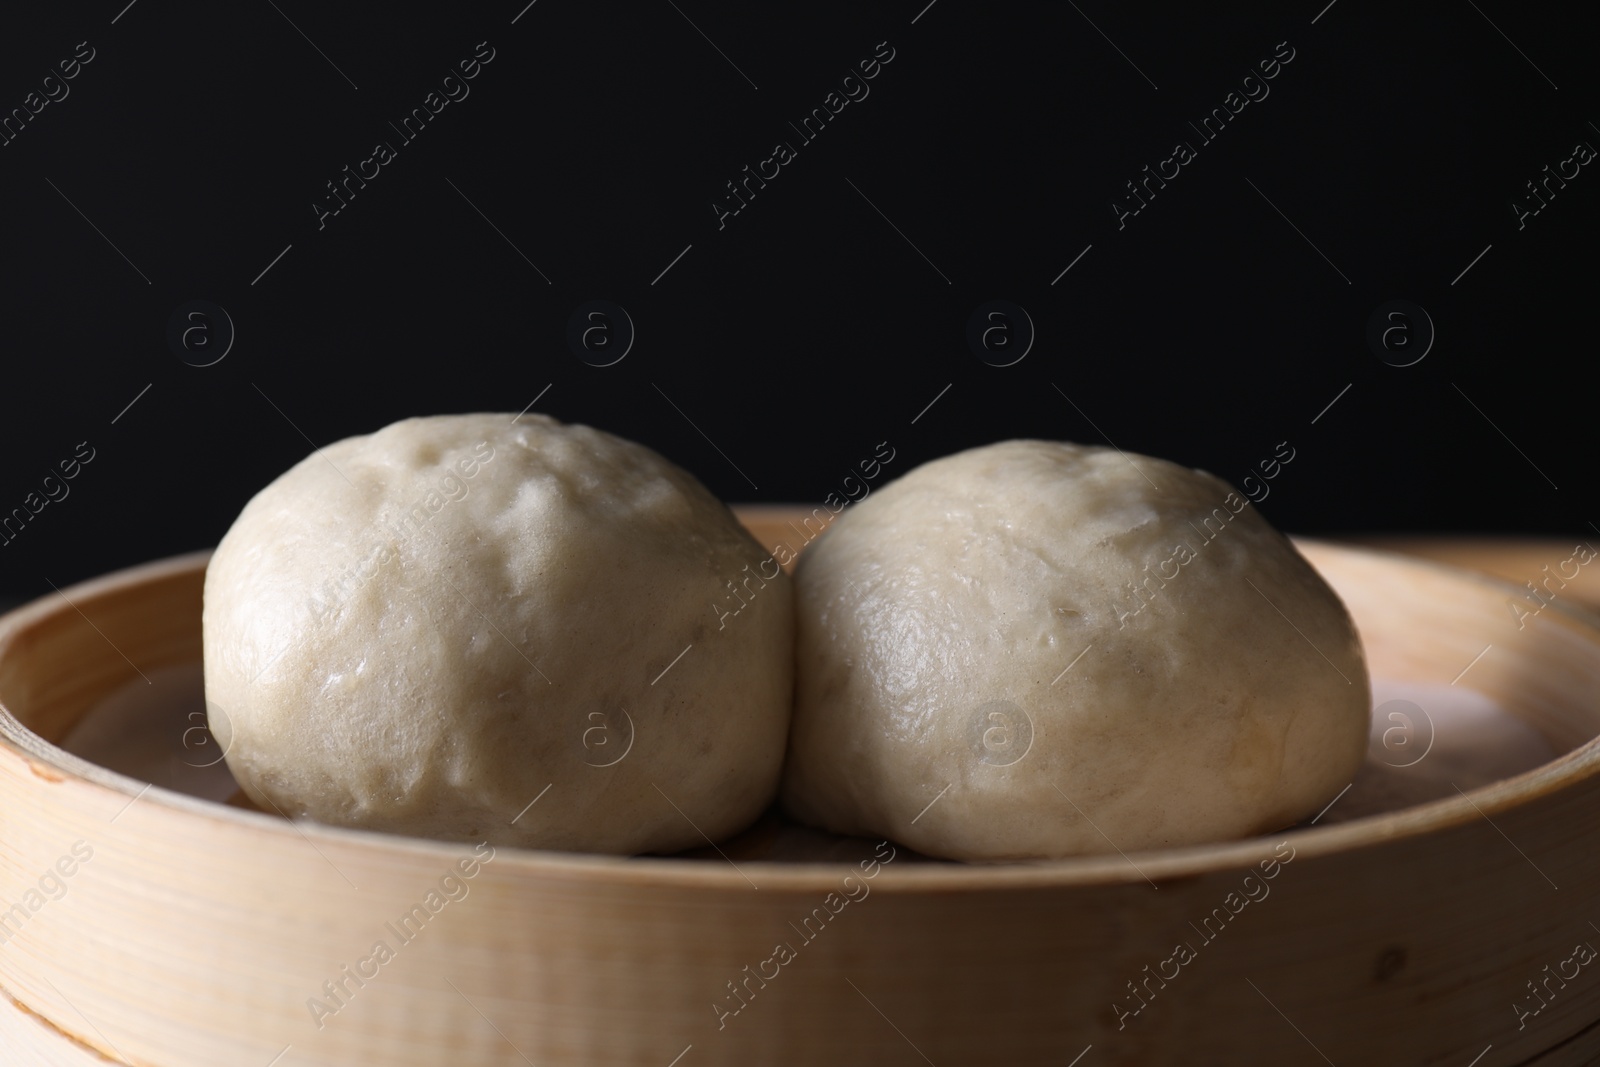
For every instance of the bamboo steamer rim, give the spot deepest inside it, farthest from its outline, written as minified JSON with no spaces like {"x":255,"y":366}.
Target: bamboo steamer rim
{"x":53,"y":763}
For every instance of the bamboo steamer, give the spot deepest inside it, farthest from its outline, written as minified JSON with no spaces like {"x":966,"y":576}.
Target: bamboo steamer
{"x":1553,"y":567}
{"x":197,"y":933}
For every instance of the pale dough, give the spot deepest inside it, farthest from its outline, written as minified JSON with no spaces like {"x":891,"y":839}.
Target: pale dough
{"x":427,"y":629}
{"x":977,"y":677}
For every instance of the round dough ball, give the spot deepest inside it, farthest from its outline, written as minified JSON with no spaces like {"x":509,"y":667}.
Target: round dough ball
{"x":1037,"y":649}
{"x":427,"y":629}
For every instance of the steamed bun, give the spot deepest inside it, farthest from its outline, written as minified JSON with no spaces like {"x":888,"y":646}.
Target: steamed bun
{"x":1036,"y":649}
{"x":426,"y":629}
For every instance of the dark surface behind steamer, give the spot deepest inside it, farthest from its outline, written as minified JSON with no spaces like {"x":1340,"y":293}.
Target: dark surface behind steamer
{"x":775,"y":352}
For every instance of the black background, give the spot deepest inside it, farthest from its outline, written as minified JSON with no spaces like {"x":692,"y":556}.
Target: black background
{"x":827,"y":315}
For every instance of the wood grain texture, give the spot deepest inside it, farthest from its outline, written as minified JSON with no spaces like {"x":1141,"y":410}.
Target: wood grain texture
{"x":197,"y":932}
{"x":1553,"y":567}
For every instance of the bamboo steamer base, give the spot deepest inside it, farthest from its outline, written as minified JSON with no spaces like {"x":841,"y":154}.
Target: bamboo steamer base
{"x":1406,"y":929}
